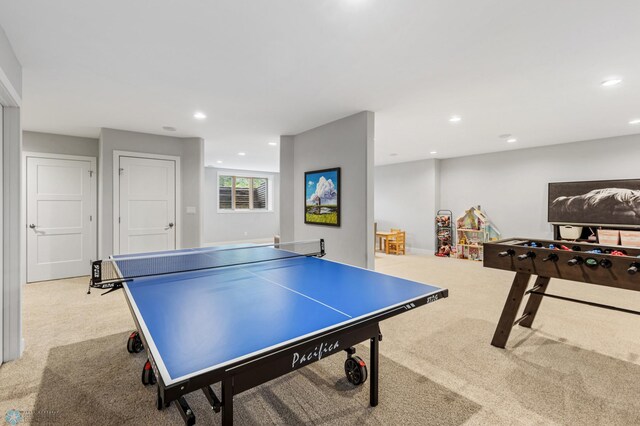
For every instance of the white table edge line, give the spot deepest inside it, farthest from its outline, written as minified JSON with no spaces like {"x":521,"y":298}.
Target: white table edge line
{"x":297,"y":292}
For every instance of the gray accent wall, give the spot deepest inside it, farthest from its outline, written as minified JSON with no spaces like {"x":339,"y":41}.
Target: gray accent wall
{"x":346,"y":143}
{"x":287,"y":208}
{"x":220,"y":227}
{"x":13,"y":260}
{"x":191,"y":153}
{"x":59,"y":144}
{"x":192,"y":159}
{"x":406,"y":198}
{"x":13,"y":235}
{"x":512,"y":185}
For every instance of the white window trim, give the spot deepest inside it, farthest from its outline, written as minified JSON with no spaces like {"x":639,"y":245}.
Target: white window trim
{"x":270,"y":194}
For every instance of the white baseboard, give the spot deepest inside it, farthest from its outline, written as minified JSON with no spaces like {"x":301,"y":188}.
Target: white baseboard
{"x":415,"y":250}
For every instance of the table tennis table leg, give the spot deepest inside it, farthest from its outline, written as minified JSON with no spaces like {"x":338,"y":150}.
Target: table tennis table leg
{"x":227,"y":401}
{"x":373,"y":370}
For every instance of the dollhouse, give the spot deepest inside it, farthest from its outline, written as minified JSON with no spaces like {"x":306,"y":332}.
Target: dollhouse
{"x":473,"y":229}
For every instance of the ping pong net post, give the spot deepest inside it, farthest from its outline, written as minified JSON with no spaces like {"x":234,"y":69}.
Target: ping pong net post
{"x":110,"y":274}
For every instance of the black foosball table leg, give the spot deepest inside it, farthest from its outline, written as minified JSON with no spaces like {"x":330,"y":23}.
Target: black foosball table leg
{"x":531,"y":308}
{"x":510,"y":310}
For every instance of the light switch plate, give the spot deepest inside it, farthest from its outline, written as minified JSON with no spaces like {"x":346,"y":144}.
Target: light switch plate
{"x":191,"y":210}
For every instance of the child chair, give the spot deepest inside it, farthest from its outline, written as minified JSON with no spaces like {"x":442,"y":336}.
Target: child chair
{"x":397,"y":243}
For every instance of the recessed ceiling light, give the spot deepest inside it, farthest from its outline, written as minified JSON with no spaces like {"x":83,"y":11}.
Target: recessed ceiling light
{"x":636,"y":121}
{"x":611,"y":82}
{"x":273,"y":143}
{"x":242,"y":154}
{"x":169,"y":128}
{"x":512,"y":140}
{"x":393,"y":154}
{"x":219,"y":161}
{"x":199,"y":115}
{"x":455,"y":118}
{"x":433,"y":152}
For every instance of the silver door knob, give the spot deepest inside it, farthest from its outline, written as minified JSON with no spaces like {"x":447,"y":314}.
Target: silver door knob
{"x":169,"y":226}
{"x":32,"y":226}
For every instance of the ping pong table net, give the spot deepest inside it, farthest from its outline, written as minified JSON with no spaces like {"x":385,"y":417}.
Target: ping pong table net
{"x":113,"y":272}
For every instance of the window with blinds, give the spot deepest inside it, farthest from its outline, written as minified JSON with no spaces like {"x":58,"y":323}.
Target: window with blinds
{"x":243,"y":193}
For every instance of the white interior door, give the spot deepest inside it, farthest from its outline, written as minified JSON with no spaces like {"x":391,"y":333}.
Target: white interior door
{"x":60,"y":214}
{"x":147,"y":205}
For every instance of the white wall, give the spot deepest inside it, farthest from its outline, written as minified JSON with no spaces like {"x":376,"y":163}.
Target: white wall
{"x":345,"y":143}
{"x":10,"y":68}
{"x":405,"y":198}
{"x":287,"y":207}
{"x":512,"y":186}
{"x":59,"y":144}
{"x":191,"y":153}
{"x":238,"y":226}
{"x":192,"y":168}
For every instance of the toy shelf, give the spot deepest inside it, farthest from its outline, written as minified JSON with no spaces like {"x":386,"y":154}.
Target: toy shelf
{"x":444,"y":233}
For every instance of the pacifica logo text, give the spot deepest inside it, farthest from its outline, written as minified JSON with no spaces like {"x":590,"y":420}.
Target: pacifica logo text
{"x":314,"y":354}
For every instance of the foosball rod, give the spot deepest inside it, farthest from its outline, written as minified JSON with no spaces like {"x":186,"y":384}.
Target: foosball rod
{"x":583,"y":302}
{"x":522,"y":318}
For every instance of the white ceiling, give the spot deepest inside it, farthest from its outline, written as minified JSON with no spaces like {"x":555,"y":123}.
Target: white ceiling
{"x":260,"y":69}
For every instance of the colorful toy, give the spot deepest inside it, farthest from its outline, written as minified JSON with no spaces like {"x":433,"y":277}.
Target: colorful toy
{"x":444,"y":251}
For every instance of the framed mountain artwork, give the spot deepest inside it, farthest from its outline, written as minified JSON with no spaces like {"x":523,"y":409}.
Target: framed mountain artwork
{"x":322,"y":197}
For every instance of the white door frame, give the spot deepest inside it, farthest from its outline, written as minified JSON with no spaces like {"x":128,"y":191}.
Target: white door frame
{"x":93,"y":185}
{"x":13,"y":235}
{"x":116,"y":193}
{"x":1,"y":233}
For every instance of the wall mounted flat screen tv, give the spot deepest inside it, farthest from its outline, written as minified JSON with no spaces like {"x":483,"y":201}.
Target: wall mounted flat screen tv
{"x":604,"y":202}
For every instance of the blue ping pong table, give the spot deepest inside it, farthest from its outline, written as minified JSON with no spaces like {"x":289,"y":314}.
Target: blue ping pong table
{"x":265,"y":314}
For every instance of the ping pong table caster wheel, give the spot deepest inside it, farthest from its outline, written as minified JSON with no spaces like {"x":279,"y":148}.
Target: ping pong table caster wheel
{"x":148,"y":377}
{"x":134,"y":343}
{"x":356,"y":370}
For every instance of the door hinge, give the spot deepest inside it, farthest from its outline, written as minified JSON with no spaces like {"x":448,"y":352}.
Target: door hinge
{"x":119,"y":220}
{"x":90,"y":218}
{"x":90,"y":173}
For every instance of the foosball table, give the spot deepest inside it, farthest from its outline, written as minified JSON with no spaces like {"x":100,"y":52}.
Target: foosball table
{"x":609,"y":266}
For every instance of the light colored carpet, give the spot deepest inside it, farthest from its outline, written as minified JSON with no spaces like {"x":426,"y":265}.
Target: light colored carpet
{"x":578,"y":365}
